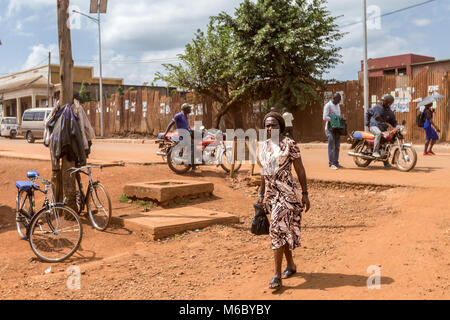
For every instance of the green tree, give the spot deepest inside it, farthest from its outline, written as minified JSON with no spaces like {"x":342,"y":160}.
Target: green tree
{"x":269,"y":49}
{"x":84,"y":94}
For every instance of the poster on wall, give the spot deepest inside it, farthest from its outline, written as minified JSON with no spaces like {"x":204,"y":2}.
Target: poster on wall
{"x":199,"y":110}
{"x":127,"y":104}
{"x":327,"y":95}
{"x":133,"y":106}
{"x":144,"y":106}
{"x":162,"y":108}
{"x":402,"y":98}
{"x":167,"y":109}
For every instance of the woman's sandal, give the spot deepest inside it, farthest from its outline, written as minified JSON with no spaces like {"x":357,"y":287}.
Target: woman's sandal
{"x":288,"y":273}
{"x":275,"y":284}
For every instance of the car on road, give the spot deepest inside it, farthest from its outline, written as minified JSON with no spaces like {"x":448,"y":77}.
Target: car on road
{"x":33,"y":123}
{"x":9,"y":127}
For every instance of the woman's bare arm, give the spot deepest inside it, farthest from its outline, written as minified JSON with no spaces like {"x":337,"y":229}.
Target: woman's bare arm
{"x":262,"y":189}
{"x":300,"y":170}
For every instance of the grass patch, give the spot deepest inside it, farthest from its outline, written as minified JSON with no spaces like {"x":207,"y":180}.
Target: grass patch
{"x":145,"y":204}
{"x":124,"y":199}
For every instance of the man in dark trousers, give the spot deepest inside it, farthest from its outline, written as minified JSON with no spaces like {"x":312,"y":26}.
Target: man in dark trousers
{"x":181,"y":120}
{"x":376,"y":117}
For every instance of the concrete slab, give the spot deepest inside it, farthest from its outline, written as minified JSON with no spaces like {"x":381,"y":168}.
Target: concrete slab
{"x":166,"y":190}
{"x":162,"y":223}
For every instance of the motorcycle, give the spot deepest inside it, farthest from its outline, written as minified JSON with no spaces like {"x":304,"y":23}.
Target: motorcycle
{"x":392,"y":143}
{"x":213,"y":150}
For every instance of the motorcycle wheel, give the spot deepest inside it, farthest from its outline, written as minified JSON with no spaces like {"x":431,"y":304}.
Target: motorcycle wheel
{"x":226,"y":165}
{"x":177,"y":168}
{"x":358,"y":161}
{"x":405,"y":165}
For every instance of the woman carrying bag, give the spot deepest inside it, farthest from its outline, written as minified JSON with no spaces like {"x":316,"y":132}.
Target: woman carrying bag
{"x":280,"y":192}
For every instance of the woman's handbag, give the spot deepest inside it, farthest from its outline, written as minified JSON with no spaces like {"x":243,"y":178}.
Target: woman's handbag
{"x":260,"y":223}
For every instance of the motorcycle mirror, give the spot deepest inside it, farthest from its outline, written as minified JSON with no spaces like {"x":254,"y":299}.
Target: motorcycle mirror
{"x":202,"y":128}
{"x":403,"y":122}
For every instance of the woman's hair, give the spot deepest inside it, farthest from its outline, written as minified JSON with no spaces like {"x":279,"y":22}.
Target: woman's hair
{"x":276,"y":115}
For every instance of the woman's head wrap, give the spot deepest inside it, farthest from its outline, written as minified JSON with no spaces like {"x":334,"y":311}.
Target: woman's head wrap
{"x":276,"y":115}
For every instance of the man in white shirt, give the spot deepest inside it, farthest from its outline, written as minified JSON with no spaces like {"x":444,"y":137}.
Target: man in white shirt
{"x":334,"y":139}
{"x":288,"y":117}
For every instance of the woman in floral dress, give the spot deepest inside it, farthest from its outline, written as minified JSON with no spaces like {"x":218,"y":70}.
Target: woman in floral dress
{"x":281,"y":194}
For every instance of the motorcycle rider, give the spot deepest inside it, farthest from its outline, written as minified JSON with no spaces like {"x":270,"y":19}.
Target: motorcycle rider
{"x":375,"y":119}
{"x":181,"y":121}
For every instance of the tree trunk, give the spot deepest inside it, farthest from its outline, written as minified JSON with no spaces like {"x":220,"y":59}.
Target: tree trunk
{"x":63,"y":182}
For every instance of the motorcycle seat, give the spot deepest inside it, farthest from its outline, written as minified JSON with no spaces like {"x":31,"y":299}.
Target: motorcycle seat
{"x":172,"y":135}
{"x":363,"y":135}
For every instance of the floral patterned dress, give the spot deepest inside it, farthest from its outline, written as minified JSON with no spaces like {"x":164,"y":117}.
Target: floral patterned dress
{"x":281,"y":192}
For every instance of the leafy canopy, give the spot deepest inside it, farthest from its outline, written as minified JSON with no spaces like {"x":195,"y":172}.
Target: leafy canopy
{"x":269,"y":49}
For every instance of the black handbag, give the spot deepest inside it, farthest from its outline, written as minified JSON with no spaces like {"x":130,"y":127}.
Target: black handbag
{"x":260,"y":223}
{"x":343,"y":130}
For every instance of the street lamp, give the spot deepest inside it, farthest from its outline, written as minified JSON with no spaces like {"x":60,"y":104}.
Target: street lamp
{"x":366,"y":65}
{"x":98,"y":6}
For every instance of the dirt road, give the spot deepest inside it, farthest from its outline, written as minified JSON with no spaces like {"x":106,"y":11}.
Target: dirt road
{"x":402,"y":230}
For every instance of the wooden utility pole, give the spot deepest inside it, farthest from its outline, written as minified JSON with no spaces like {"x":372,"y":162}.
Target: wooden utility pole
{"x":63,"y":182}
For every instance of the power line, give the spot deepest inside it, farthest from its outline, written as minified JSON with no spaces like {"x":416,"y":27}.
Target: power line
{"x":131,"y":61}
{"x":392,"y":12}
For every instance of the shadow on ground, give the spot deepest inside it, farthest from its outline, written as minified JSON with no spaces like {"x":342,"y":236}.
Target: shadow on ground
{"x":324,"y":281}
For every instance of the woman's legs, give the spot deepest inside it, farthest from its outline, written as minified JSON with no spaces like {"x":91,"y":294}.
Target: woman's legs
{"x":278,"y":257}
{"x":289,"y":259}
{"x":427,"y":142}
{"x":431,"y":146}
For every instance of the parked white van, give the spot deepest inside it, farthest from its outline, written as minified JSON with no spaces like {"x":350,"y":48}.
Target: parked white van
{"x":9,"y":127}
{"x":33,"y":123}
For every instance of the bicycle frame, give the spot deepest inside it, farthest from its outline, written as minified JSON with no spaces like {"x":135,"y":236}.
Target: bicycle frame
{"x":91,"y":184}
{"x":49,"y":204}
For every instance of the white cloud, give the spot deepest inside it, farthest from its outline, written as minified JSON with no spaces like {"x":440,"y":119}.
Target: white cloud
{"x":39,"y":56}
{"x":421,"y":22}
{"x":15,"y":6}
{"x":159,"y":29}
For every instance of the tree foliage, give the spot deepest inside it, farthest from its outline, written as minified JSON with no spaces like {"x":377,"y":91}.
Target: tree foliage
{"x":84,"y":95}
{"x":269,"y":49}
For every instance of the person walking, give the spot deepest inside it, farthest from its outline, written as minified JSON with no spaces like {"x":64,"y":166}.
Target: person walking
{"x":430,"y":133}
{"x":334,"y":139}
{"x":288,"y":118}
{"x":280,"y":192}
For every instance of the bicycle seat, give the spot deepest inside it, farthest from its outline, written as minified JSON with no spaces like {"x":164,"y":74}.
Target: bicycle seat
{"x":26,"y":185}
{"x":32,"y":174}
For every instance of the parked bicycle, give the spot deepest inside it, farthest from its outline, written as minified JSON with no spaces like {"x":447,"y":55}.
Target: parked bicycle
{"x":96,"y":199}
{"x":54,"y":232}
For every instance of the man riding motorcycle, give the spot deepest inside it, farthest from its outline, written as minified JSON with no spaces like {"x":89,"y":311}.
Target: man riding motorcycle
{"x":375,"y":119}
{"x":181,"y":121}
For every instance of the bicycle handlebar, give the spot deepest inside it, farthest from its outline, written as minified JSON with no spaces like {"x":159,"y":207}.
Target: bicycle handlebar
{"x":74,"y":170}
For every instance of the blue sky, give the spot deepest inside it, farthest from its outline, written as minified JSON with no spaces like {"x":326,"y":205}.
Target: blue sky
{"x":138,"y":38}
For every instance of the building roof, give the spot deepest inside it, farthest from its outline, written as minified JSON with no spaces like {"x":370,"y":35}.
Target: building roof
{"x":34,"y":82}
{"x":429,"y":62}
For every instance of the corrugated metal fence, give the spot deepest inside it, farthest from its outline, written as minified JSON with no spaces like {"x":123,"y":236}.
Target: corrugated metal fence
{"x":148,"y":112}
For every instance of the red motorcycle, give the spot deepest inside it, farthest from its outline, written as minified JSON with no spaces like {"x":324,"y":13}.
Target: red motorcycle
{"x":404,"y":156}
{"x":212,"y":148}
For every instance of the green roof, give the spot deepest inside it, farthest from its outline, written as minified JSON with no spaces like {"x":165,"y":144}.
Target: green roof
{"x":429,"y":62}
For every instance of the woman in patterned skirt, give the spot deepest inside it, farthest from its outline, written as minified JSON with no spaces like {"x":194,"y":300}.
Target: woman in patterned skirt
{"x":281,"y":194}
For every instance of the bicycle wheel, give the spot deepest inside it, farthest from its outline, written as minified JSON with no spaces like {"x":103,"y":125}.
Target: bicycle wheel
{"x":99,"y":207}
{"x":55,"y":234}
{"x":23,"y":206}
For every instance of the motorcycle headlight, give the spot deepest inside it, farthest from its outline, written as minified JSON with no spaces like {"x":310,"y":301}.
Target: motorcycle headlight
{"x":403,"y":131}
